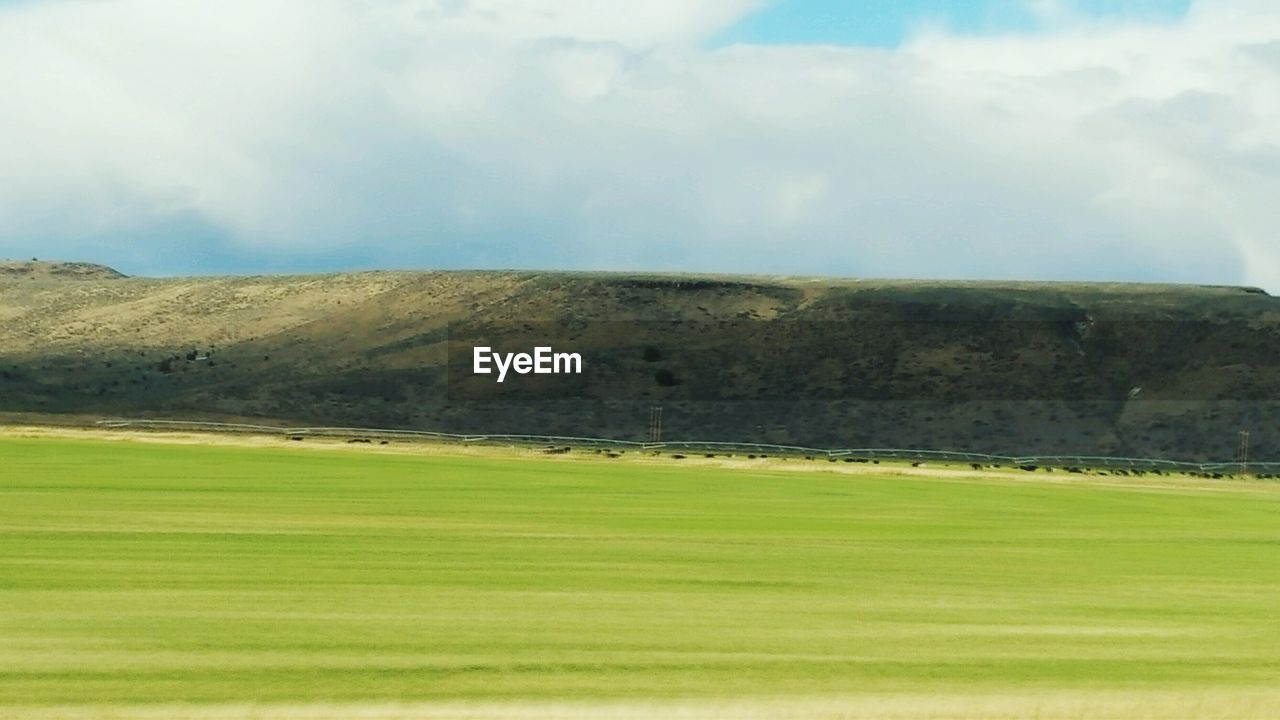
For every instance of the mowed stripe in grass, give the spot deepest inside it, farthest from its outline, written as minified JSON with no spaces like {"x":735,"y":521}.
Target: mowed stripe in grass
{"x":138,"y":573}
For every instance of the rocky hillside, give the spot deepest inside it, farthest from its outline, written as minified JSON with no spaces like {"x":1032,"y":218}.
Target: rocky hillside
{"x":1173,"y":371}
{"x":36,"y":269}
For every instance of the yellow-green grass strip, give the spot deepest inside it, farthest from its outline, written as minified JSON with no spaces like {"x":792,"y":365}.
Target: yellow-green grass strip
{"x":229,"y":581}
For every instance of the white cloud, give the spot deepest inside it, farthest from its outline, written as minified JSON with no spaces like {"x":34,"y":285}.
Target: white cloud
{"x":513,"y":132}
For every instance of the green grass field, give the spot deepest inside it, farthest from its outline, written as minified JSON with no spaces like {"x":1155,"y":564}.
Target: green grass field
{"x":187,"y":576}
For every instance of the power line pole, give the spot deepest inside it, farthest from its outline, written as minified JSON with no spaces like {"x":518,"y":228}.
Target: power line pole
{"x":1242,"y":452}
{"x":655,"y":424}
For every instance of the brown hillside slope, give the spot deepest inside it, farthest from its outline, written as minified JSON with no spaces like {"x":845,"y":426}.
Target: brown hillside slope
{"x":1169,"y":371}
{"x":36,"y":269}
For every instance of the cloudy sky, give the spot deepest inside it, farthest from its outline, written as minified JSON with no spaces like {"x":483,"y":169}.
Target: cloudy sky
{"x":1037,"y":139}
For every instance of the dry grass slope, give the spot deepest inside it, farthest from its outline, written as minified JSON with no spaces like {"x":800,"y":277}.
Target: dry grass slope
{"x":1000,"y":367}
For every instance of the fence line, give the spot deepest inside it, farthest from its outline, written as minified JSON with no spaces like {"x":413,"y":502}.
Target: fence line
{"x":913,"y":455}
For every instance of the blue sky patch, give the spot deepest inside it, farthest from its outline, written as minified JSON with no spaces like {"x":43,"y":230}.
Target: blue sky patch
{"x":887,"y":23}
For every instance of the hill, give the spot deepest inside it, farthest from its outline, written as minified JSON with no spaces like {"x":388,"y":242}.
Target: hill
{"x":36,"y":269}
{"x":1147,"y":370}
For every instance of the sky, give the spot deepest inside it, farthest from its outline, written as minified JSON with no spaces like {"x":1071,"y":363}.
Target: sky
{"x":889,"y":23}
{"x":1134,"y":140}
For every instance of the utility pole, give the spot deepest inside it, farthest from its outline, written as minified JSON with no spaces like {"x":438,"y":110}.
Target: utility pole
{"x":1242,"y":452}
{"x":655,"y":424}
